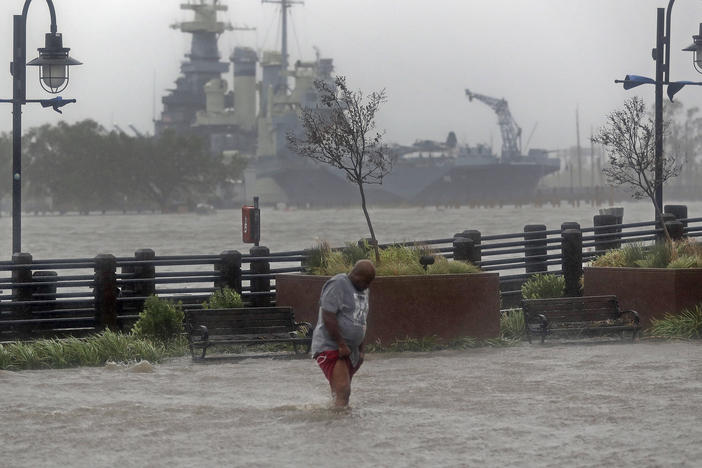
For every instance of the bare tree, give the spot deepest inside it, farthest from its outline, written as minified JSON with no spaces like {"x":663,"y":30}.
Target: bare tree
{"x":340,"y":131}
{"x":628,"y":138}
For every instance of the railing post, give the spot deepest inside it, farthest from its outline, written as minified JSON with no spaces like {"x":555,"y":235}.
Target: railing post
{"x":676,"y":229}
{"x":572,"y":260}
{"x":602,"y":224}
{"x":570,"y":225}
{"x":22,"y":275}
{"x":475,"y":252}
{"x":305,"y":263}
{"x":462,"y":248}
{"x":45,"y":288}
{"x":229,"y":270}
{"x":535,"y":248}
{"x":22,"y":293}
{"x":660,"y":221}
{"x":679,"y":211}
{"x":105,"y":292}
{"x":260,"y":285}
{"x":145,"y":272}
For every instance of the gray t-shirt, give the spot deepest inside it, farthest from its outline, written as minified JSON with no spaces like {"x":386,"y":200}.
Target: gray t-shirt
{"x":351,"y":308}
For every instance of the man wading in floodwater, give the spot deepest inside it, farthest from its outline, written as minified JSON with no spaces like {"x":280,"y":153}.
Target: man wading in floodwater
{"x":337,"y":342}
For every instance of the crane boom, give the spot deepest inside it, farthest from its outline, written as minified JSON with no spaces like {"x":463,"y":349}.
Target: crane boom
{"x":510,"y":131}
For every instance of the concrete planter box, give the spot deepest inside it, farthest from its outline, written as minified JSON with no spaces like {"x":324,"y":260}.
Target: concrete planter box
{"x":448,"y":306}
{"x":652,"y":292}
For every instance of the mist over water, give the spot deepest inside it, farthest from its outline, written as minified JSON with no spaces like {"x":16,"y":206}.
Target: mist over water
{"x":173,"y":234}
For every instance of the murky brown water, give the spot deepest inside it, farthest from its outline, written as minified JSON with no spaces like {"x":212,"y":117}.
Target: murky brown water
{"x":600,"y":404}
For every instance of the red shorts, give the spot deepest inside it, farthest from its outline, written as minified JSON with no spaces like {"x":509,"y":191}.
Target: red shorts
{"x":327,"y":360}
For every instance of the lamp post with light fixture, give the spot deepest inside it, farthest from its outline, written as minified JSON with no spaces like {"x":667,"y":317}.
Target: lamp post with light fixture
{"x":54,"y":63}
{"x":661,"y":55}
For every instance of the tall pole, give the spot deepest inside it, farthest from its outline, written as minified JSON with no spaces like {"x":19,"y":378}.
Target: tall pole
{"x":658,"y":176}
{"x":18,"y":98}
{"x":579,"y":153}
{"x":284,"y":44}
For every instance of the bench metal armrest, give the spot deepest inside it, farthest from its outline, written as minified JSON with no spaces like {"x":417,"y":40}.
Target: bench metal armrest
{"x":633,"y":313}
{"x":205,"y":333}
{"x":305,"y":327}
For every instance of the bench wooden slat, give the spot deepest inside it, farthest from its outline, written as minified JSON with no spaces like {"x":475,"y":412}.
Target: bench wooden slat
{"x":248,"y":331}
{"x":243,"y":326}
{"x":598,"y":314}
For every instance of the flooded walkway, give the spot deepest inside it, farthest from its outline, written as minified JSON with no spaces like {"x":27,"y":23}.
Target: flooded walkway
{"x":557,"y":405}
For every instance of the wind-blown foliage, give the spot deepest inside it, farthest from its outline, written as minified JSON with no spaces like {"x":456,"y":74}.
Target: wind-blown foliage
{"x":84,"y":167}
{"x":341,"y":132}
{"x":628,"y":137}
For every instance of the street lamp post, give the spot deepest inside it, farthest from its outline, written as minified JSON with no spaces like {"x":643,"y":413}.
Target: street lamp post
{"x":54,"y":63}
{"x":661,"y":55}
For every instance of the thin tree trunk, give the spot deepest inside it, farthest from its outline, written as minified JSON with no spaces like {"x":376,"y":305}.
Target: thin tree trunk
{"x":370,"y":225}
{"x":668,"y":239}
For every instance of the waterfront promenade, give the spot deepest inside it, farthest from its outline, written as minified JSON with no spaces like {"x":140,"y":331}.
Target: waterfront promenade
{"x":576,"y":405}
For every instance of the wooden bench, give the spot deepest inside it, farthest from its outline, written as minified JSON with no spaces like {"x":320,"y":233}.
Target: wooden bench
{"x":591,"y":314}
{"x":254,"y":325}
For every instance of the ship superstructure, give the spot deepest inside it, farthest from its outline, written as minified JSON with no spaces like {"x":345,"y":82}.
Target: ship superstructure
{"x":203,"y":64}
{"x":254,"y":119}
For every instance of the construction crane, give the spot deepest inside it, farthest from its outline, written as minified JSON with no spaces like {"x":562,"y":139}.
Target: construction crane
{"x":511,"y":132}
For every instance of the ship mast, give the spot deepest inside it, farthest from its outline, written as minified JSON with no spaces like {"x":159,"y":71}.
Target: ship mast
{"x":284,"y":5}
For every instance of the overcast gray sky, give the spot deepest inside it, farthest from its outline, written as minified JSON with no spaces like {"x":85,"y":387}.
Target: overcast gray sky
{"x":546,"y":57}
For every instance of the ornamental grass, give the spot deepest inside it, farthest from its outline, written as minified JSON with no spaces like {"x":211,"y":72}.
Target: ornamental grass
{"x":685,"y":325}
{"x":395,"y":260}
{"x":95,"y":350}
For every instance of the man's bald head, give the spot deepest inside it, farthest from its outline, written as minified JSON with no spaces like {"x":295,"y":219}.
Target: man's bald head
{"x":362,"y":274}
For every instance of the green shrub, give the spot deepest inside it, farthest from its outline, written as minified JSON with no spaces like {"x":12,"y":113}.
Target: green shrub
{"x":161,"y":320}
{"x":442,"y":266}
{"x":512,"y":324}
{"x":687,"y":324}
{"x":355,"y":252}
{"x":224,"y":298}
{"x":314,"y":257}
{"x":543,"y":287}
{"x":685,"y":261}
{"x":627,"y":256}
{"x":681,"y":254}
{"x":658,"y":256}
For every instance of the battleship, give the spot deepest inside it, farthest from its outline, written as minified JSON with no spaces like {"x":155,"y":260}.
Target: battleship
{"x":253,"y":120}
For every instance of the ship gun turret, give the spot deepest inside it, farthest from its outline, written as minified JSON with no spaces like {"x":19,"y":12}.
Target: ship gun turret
{"x":510,"y":131}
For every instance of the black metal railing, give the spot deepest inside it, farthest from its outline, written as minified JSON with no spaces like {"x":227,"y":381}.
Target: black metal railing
{"x":84,"y":295}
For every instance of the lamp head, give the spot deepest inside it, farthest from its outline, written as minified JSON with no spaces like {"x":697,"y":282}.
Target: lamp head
{"x":54,"y":63}
{"x":696,"y":49}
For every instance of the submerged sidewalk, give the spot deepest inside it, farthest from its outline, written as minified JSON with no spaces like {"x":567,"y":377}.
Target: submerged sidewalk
{"x":583,"y":404}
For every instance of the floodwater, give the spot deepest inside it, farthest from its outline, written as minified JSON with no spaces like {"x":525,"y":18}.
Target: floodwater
{"x":607,"y":404}
{"x":71,"y":236}
{"x":587,"y":404}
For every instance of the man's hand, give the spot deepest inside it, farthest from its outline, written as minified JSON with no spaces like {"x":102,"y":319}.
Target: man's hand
{"x":344,"y":350}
